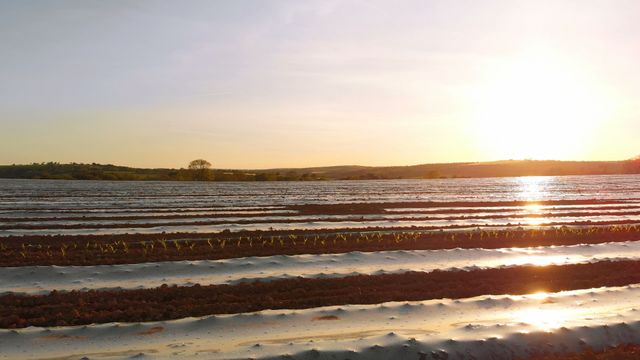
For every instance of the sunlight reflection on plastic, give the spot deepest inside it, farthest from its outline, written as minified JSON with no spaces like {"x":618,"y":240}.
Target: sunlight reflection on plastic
{"x":544,"y":319}
{"x":540,"y":260}
{"x":536,"y":221}
{"x":533,"y":208}
{"x":532,"y":187}
{"x":538,"y":296}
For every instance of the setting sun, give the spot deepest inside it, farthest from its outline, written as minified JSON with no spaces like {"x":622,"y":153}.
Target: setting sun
{"x":538,"y":105}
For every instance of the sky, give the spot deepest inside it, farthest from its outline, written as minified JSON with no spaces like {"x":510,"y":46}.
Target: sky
{"x":265,"y":84}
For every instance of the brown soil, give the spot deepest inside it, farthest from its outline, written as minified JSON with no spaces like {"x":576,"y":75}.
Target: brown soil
{"x":180,"y":214}
{"x":378,"y":208}
{"x":621,"y":352}
{"x":363,"y":208}
{"x":153,"y":330}
{"x":294,"y":220}
{"x":60,"y":337}
{"x":164,"y":303}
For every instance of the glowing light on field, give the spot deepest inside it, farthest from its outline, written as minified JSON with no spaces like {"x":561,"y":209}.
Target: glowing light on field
{"x":541,"y":295}
{"x":544,"y":319}
{"x":539,"y":260}
{"x":536,"y":221}
{"x":547,"y":314}
{"x":534,"y":208}
{"x":532,"y":188}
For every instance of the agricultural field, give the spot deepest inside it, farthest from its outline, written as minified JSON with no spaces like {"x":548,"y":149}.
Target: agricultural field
{"x":500,"y":268}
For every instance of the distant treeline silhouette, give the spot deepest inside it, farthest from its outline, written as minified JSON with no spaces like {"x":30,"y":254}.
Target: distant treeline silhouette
{"x":74,"y":171}
{"x":200,"y":170}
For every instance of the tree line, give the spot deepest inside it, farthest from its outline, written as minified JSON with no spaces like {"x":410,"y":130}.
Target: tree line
{"x":197,"y":170}
{"x":201,"y":170}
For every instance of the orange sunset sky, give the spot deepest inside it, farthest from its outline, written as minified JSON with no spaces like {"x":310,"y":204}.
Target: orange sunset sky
{"x":259,"y":84}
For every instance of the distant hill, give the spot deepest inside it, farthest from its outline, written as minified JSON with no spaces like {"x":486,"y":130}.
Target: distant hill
{"x":348,"y":172}
{"x":480,"y":169}
{"x":74,"y":171}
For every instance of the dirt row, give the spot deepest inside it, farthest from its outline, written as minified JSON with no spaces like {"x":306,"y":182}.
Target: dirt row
{"x":620,"y":352}
{"x":284,"y":219}
{"x":372,"y":208}
{"x":358,"y":207}
{"x":183,"y":214}
{"x":165,"y":303}
{"x":106,"y":217}
{"x":129,"y":249}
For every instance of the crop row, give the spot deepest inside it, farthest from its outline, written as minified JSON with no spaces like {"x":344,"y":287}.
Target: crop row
{"x":161,"y":248}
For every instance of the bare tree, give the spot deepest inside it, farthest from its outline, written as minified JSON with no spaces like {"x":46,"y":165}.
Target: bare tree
{"x":200,"y":169}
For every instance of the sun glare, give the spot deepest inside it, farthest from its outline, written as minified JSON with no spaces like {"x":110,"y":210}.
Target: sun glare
{"x":537,"y":106}
{"x":539,"y":260}
{"x":533,"y":208}
{"x":540,"y":295}
{"x":544,"y":319}
{"x":532,"y":188}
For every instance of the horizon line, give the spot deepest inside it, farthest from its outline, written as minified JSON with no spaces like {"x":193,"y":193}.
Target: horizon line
{"x":331,"y":166}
